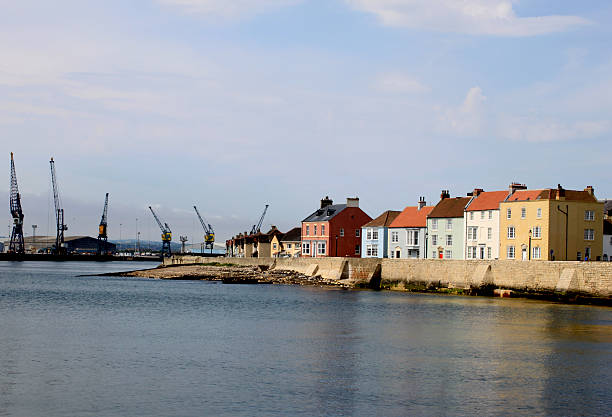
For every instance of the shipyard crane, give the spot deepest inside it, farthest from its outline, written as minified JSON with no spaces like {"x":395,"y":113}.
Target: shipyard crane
{"x":16,"y":245}
{"x":102,"y":236}
{"x":166,"y":235}
{"x":60,"y":247}
{"x":257,"y":228}
{"x":209,"y":233}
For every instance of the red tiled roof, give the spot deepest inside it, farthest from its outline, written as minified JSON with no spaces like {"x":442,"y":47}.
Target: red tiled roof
{"x":488,"y":200}
{"x":551,"y":194}
{"x":412,"y":217}
{"x":450,"y":207}
{"x":384,"y":220}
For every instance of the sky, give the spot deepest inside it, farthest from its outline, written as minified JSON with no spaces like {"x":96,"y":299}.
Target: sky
{"x":234,"y":104}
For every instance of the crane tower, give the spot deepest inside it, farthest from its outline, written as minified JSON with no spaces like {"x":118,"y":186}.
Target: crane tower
{"x":166,"y":235}
{"x":16,"y":245}
{"x":102,"y":235}
{"x":60,"y":247}
{"x":209,"y":233}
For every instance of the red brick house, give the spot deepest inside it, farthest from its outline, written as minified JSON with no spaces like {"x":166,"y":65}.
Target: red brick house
{"x":334,"y":230}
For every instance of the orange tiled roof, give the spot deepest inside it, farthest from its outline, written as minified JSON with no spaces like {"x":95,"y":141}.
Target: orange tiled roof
{"x":551,"y":194}
{"x":412,"y":217}
{"x":488,"y":200}
{"x":526,"y":195}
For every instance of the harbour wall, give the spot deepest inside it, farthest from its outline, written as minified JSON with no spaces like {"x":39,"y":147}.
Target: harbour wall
{"x":592,"y":278}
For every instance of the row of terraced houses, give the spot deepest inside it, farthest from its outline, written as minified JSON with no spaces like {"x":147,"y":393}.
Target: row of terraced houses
{"x":517,"y":223}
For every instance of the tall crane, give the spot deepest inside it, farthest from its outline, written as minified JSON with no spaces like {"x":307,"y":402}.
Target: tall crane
{"x":257,"y":228}
{"x":59,"y":248}
{"x":16,"y":245}
{"x":166,"y":235}
{"x":102,"y":236}
{"x":209,"y":233}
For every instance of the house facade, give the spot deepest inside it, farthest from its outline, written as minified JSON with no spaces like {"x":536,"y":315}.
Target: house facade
{"x":551,"y":224}
{"x":334,"y":230}
{"x":407,"y":233}
{"x":607,"y":240}
{"x":446,"y":227}
{"x":291,"y":243}
{"x":482,"y":223}
{"x":375,"y":235}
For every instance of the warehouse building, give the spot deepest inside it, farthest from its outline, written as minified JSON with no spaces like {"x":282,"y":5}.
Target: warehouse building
{"x":74,"y":244}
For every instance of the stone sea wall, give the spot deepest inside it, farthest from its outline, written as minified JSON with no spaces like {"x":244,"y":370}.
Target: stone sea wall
{"x":592,"y":278}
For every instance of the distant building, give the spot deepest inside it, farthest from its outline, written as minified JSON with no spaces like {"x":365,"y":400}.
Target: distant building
{"x":551,"y":224}
{"x":482,"y":223}
{"x":408,"y":232}
{"x":334,"y":229}
{"x":446,"y":227}
{"x":374,"y":235}
{"x":74,"y":244}
{"x":262,"y":242}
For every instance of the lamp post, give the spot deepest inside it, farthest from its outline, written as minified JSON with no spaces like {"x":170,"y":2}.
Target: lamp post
{"x":336,"y":246}
{"x":530,"y":244}
{"x":566,"y":212}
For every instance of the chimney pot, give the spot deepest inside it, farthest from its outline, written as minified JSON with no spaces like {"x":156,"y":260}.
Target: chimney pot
{"x":326,"y":202}
{"x":352,"y":202}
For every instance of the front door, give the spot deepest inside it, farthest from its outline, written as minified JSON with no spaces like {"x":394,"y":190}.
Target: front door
{"x":482,"y":250}
{"x":524,"y":254}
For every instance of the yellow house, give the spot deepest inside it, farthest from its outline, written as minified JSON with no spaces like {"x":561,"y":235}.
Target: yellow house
{"x":276,"y":246}
{"x":292,"y":242}
{"x":551,"y":224}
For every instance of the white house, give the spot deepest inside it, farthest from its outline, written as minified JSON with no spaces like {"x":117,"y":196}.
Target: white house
{"x":407,"y":233}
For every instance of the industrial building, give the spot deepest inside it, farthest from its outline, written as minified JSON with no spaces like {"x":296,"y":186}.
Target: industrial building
{"x":73,"y":244}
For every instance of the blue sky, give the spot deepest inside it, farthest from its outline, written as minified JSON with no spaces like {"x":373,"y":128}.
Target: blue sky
{"x":235,"y":104}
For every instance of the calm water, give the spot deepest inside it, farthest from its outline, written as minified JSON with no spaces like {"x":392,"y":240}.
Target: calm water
{"x":80,"y":346}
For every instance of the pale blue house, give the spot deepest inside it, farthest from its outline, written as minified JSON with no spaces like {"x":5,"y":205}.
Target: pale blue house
{"x":375,"y":235}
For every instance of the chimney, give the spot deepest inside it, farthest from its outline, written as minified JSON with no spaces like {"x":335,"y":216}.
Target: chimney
{"x":516,"y":186}
{"x":444,"y":194}
{"x":590,"y":190}
{"x":560,"y":193}
{"x":477,"y":192}
{"x":326,"y":202}
{"x":352,"y":202}
{"x":422,"y":203}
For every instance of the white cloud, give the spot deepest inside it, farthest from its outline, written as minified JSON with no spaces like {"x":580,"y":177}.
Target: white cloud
{"x":399,"y":83}
{"x":468,"y":118}
{"x":477,"y":17}
{"x":228,"y":8}
{"x":530,"y":129}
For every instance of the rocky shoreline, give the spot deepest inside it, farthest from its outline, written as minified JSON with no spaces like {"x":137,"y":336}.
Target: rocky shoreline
{"x":232,"y":274}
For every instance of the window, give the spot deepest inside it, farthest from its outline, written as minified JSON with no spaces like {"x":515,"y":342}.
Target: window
{"x":449,"y":224}
{"x":394,"y":237}
{"x":434,"y":254}
{"x":587,"y":254}
{"x":307,"y":230}
{"x":536,"y":253}
{"x":274,"y":246}
{"x":490,"y":214}
{"x":579,"y":256}
{"x":357,"y":250}
{"x":375,"y":234}
{"x":509,"y":213}
{"x":321,"y":248}
{"x":306,"y":248}
{"x":510,"y":252}
{"x":472,"y":233}
{"x":412,"y":237}
{"x":523,"y":212}
{"x":288,"y":245}
{"x":341,"y":232}
{"x":434,"y":240}
{"x":589,"y":234}
{"x":511,"y":232}
{"x":536,"y":232}
{"x":472,"y":252}
{"x":449,"y":240}
{"x":539,"y":213}
{"x":489,"y":233}
{"x":489,"y":252}
{"x":357,"y":232}
{"x":434,"y":224}
{"x":471,"y":215}
{"x":482,"y":215}
{"x":589,"y":215}
{"x":315,"y":230}
{"x":372,"y":250}
{"x":322,"y":230}
{"x":448,"y":254}
{"x":369,"y":234}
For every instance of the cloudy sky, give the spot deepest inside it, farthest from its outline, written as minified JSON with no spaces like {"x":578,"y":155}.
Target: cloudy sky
{"x":234,"y":104}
